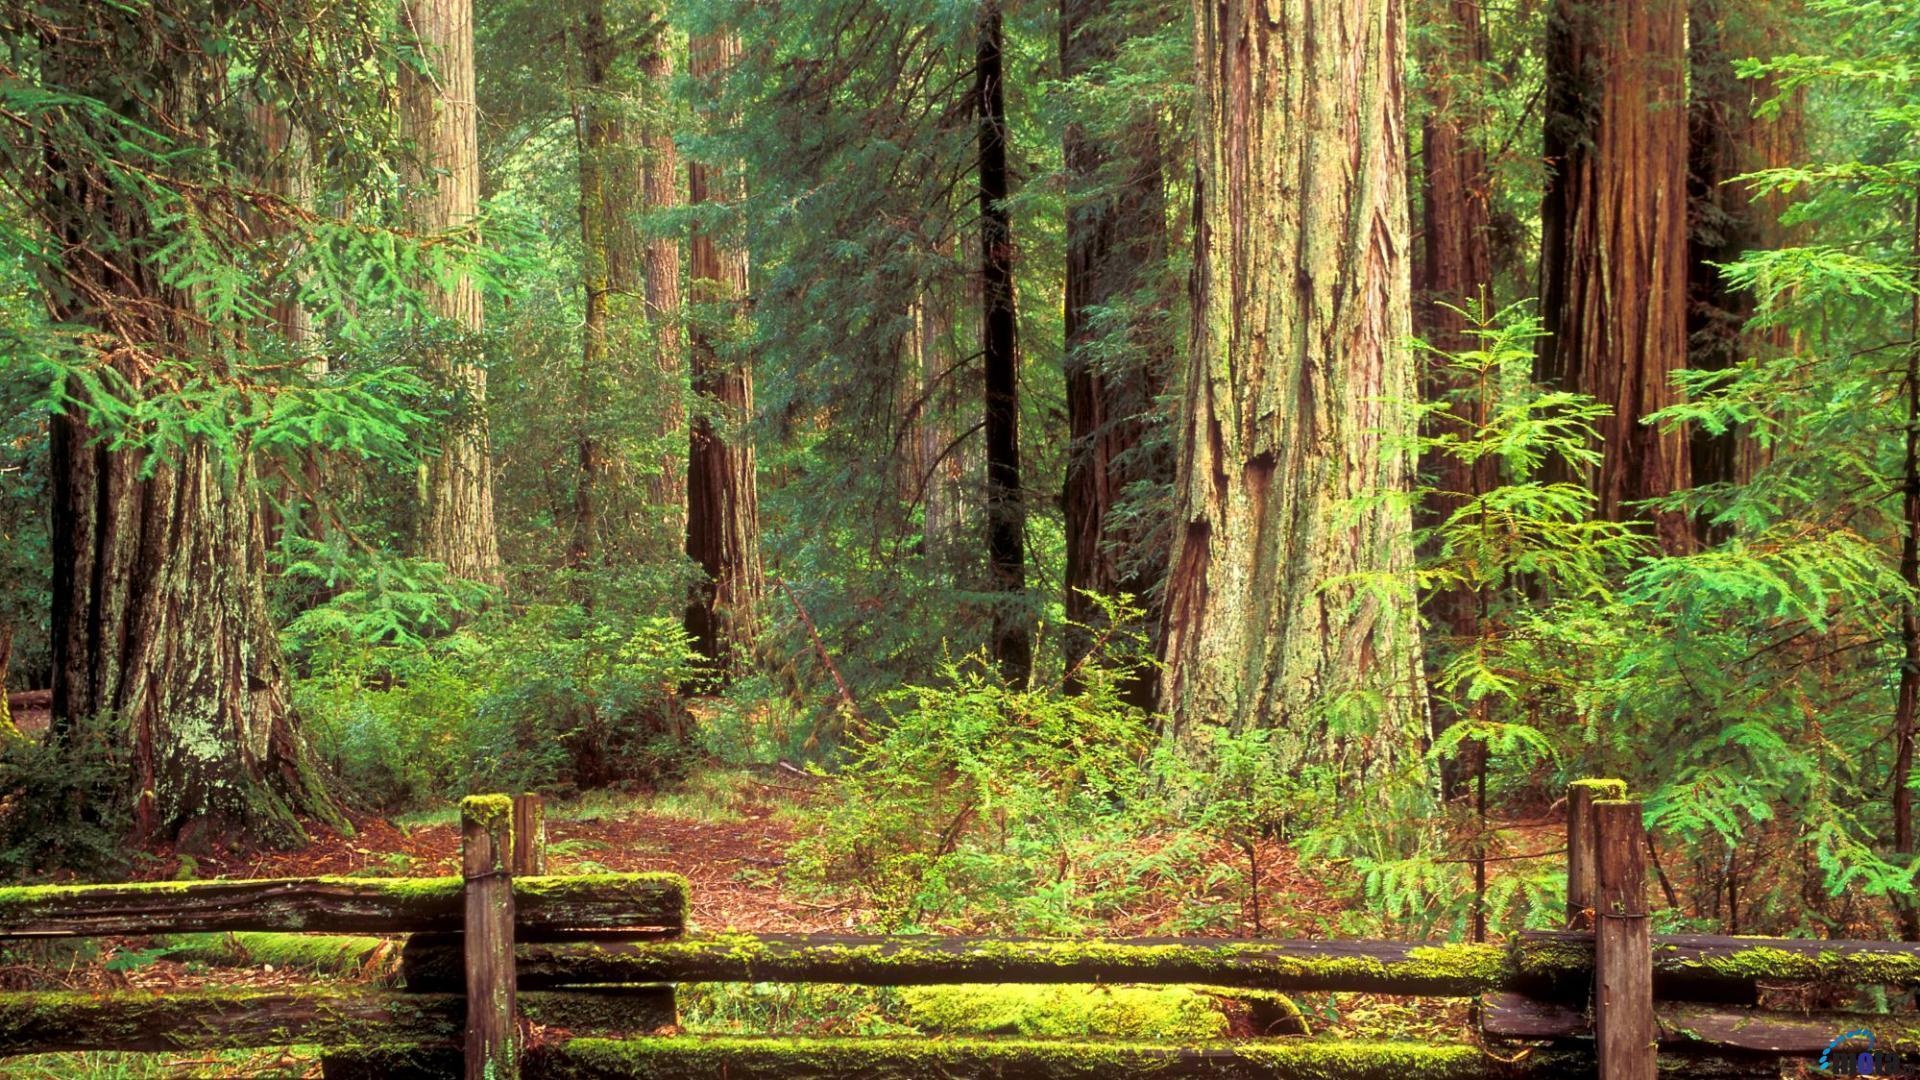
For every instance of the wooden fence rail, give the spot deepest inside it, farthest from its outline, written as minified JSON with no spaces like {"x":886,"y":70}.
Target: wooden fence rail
{"x":502,"y":944}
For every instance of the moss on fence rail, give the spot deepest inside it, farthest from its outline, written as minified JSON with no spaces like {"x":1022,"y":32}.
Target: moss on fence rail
{"x":694,"y":1058}
{"x":335,"y":904}
{"x":1389,"y":967}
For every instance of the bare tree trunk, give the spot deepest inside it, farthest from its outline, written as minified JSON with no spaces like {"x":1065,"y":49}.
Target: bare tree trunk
{"x":1115,"y":239}
{"x":660,"y":190}
{"x":1613,"y":236}
{"x":1725,"y":140}
{"x":1011,"y":645}
{"x":1297,"y":382}
{"x":723,"y":508}
{"x":443,"y":174}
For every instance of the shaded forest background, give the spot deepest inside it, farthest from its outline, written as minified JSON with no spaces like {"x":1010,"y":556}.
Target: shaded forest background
{"x":1108,"y":441}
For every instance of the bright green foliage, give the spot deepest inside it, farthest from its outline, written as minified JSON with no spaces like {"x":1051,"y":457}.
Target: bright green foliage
{"x":549,"y":697}
{"x":977,"y":798}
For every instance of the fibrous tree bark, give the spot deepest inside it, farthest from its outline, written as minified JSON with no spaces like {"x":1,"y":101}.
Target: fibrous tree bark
{"x":723,"y":515}
{"x":442,"y":174}
{"x":1115,"y":374}
{"x":1297,"y":383}
{"x":1011,"y":644}
{"x":160,"y":626}
{"x":1727,"y":138}
{"x":1613,"y":237}
{"x":660,"y":191}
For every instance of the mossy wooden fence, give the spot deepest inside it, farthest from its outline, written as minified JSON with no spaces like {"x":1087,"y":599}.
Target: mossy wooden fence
{"x":593,"y":959}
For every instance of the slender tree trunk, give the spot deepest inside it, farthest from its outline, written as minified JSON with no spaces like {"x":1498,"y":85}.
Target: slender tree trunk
{"x":1011,"y":644}
{"x":160,"y":625}
{"x":723,"y":508}
{"x":1725,"y":140}
{"x":614,"y":317}
{"x":660,"y":191}
{"x":6,"y":666}
{"x":1297,"y":385}
{"x":1453,"y":269}
{"x":1116,"y":238}
{"x":1613,"y":236}
{"x":443,"y":174}
{"x":948,"y":438}
{"x":286,"y":171}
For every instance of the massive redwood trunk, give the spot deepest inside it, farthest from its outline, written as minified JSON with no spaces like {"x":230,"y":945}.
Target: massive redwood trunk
{"x":160,"y":625}
{"x":1614,"y":236}
{"x":1297,"y":388}
{"x":1726,"y":139}
{"x":443,"y":179}
{"x":723,"y":508}
{"x":1116,"y":239}
{"x":1011,"y":645}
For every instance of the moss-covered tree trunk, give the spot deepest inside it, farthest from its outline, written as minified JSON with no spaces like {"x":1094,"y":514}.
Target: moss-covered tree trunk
{"x":1614,"y":236}
{"x":723,"y":506}
{"x":442,"y":174}
{"x":1011,"y":641}
{"x":159,"y":624}
{"x":1726,"y":139}
{"x":1297,"y":385}
{"x":1116,"y":241}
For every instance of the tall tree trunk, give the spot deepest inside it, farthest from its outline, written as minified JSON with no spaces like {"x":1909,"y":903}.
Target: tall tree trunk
{"x":1725,"y":140}
{"x":723,"y":508}
{"x":1116,"y":238}
{"x":1453,"y":269}
{"x":1613,"y":236}
{"x":1011,"y":643}
{"x":443,"y":176}
{"x":614,"y":317}
{"x":286,"y":171}
{"x":1296,"y":385}
{"x":660,"y":191}
{"x":160,"y":625}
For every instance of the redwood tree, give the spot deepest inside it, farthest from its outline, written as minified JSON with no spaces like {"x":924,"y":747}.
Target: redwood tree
{"x":1011,"y":641}
{"x":443,"y":179}
{"x":1613,"y":236}
{"x":1116,"y":241}
{"x":160,"y":625}
{"x":1290,"y":593}
{"x":1727,"y":138}
{"x":723,"y":514}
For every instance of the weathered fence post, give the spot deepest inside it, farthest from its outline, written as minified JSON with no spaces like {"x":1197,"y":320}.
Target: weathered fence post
{"x":1623,"y":1023}
{"x":1581,"y":873}
{"x":486,"y":846}
{"x":529,"y":836}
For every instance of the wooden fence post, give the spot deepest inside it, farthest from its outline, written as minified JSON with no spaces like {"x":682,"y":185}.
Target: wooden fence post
{"x":529,"y":836}
{"x":486,"y":846}
{"x":1581,"y":872}
{"x":1624,"y":1029}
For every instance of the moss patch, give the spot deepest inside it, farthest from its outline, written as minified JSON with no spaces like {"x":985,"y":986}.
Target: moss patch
{"x":1162,"y":1012}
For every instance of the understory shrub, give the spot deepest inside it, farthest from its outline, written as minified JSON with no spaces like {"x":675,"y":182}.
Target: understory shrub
{"x":543,"y":697}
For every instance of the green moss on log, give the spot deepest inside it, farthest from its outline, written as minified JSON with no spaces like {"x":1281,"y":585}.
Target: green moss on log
{"x":326,"y":954}
{"x":1456,"y":970}
{"x":396,"y":905}
{"x":493,"y":813}
{"x":687,"y":1058}
{"x":1066,"y":1010}
{"x":1603,"y":789}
